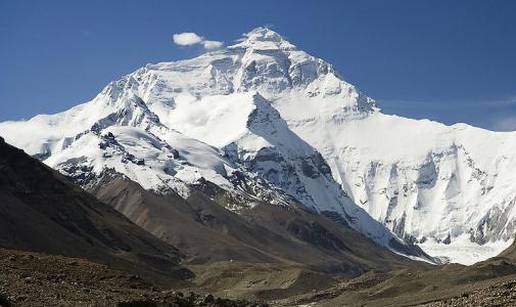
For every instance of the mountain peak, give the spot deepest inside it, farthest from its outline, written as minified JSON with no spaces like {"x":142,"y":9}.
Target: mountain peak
{"x":263,"y":34}
{"x":264,"y":38}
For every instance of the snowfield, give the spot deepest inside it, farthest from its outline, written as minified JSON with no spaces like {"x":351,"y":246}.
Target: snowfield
{"x":301,"y":134}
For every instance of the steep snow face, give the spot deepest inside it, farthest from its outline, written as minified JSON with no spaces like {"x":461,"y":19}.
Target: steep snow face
{"x":216,"y":120}
{"x":117,"y":131}
{"x":447,"y":187}
{"x":262,"y":62}
{"x":50,"y":133}
{"x":427,"y":182}
{"x":253,"y":135}
{"x":291,"y":124}
{"x":178,"y":138}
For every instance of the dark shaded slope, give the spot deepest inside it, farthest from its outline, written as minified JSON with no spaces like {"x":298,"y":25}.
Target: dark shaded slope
{"x":208,"y":232}
{"x":40,"y":211}
{"x":510,"y":252}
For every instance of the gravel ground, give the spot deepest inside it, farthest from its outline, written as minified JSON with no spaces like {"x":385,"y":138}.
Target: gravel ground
{"x":503,"y":294}
{"x":31,"y":279}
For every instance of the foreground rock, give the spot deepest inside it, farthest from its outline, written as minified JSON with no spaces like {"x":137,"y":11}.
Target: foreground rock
{"x":31,"y":279}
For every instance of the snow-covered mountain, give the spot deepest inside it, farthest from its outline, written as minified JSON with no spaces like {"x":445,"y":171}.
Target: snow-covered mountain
{"x":266,"y":121}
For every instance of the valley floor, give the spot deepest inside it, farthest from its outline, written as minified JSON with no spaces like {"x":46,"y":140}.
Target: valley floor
{"x":491,"y":283}
{"x":32,"y":279}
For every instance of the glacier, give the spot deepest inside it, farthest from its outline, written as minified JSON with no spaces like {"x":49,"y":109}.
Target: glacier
{"x":288,"y":122}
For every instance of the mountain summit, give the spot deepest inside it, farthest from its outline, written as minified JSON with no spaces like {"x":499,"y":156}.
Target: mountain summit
{"x":263,"y":38}
{"x":266,"y":122}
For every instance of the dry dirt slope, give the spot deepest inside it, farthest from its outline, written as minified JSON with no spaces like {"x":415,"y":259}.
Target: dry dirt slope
{"x":488,"y":283}
{"x":207,"y":232}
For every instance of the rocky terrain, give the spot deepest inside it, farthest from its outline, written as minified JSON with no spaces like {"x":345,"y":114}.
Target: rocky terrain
{"x":500,"y":294}
{"x":33,"y":279}
{"x":488,"y":283}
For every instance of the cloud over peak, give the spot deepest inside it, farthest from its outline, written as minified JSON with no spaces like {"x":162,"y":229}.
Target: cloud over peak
{"x":212,"y":44}
{"x":191,"y":38}
{"x":186,"y":39}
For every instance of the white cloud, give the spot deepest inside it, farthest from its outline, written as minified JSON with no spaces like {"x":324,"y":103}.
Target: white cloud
{"x":212,"y":44}
{"x":191,"y":38}
{"x":186,"y":39}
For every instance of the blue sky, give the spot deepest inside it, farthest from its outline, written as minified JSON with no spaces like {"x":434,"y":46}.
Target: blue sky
{"x":451,"y":61}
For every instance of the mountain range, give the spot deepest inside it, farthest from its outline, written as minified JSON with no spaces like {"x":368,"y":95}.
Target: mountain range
{"x":262,"y":130}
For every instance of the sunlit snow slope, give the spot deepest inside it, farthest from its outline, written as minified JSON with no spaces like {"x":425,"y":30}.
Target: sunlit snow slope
{"x":289,"y":123}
